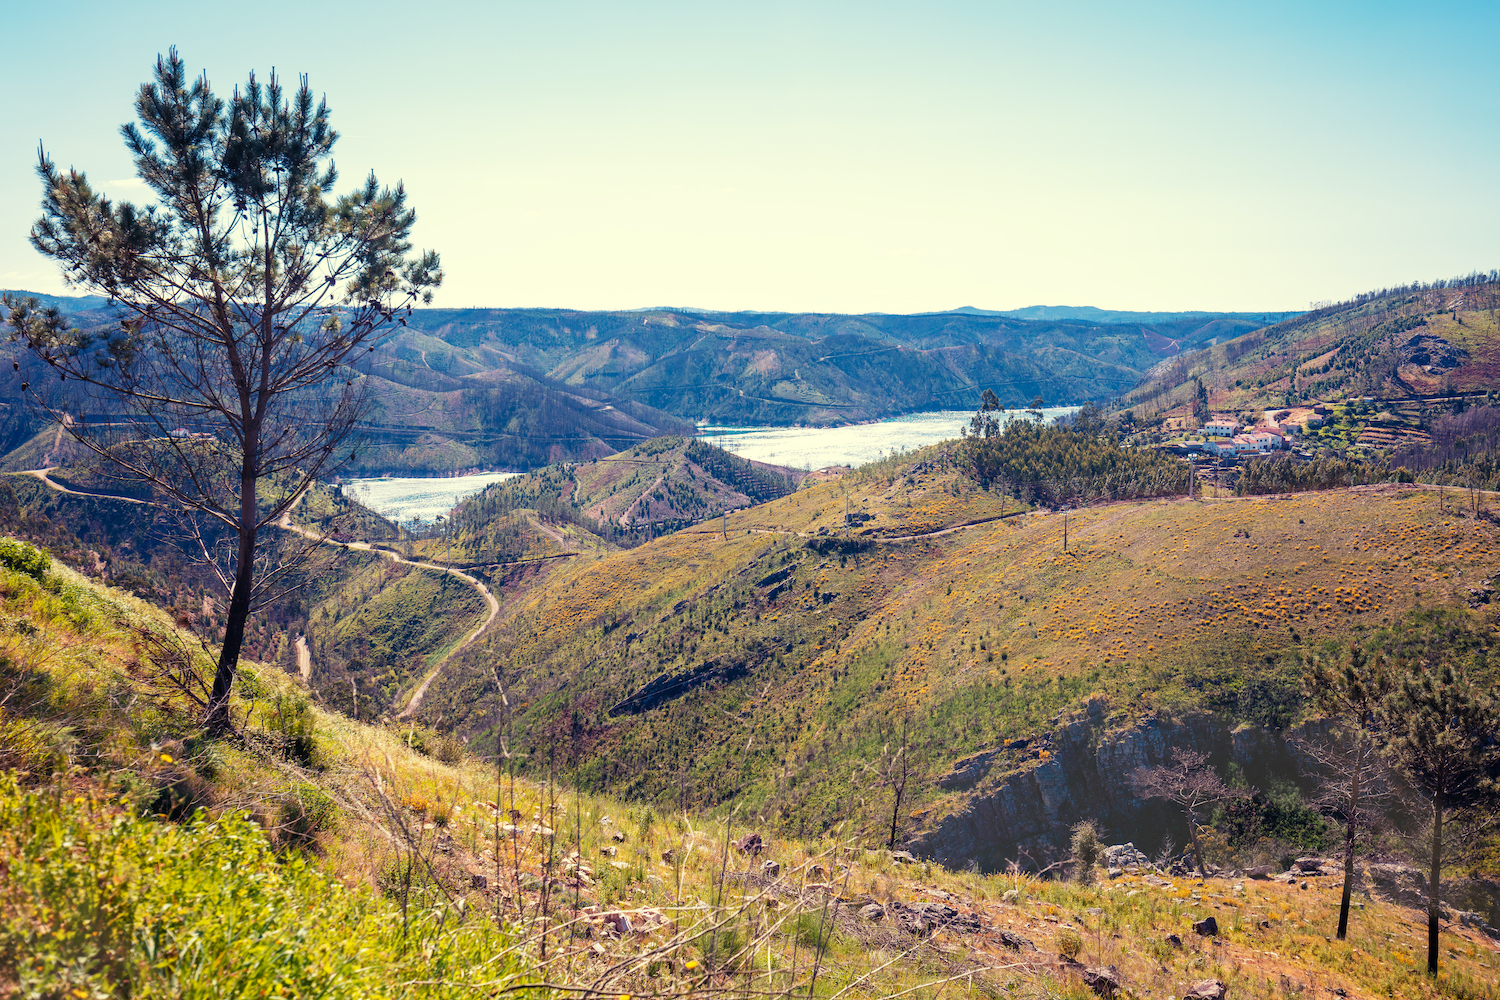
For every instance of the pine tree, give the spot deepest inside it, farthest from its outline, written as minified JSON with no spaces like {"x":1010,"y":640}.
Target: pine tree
{"x":1353,"y":778}
{"x":1444,"y":736}
{"x":245,"y":295}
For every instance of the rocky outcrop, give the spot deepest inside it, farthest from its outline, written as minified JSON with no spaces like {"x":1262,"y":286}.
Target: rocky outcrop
{"x":1081,"y":770}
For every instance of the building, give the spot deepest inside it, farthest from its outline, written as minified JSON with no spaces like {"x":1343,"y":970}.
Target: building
{"x":1221,"y":428}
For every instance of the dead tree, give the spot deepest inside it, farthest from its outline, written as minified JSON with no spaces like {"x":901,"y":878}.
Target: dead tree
{"x":1187,"y":781}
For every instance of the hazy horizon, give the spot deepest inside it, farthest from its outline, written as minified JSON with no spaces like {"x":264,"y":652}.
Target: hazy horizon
{"x":848,"y":158}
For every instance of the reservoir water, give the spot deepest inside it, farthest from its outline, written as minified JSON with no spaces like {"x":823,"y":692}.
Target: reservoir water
{"x":402,"y":498}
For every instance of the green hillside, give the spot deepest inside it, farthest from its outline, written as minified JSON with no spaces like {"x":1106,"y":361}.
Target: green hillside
{"x":771,"y":665}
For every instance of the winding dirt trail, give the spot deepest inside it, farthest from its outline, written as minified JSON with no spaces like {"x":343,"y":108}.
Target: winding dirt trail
{"x":415,"y":701}
{"x":304,"y":657}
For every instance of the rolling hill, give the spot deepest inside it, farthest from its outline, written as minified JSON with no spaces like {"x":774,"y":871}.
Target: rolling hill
{"x":460,"y":389}
{"x":1411,"y":350}
{"x":774,"y":663}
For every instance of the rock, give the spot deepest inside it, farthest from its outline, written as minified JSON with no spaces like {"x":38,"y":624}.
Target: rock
{"x":750,"y":844}
{"x":1011,"y":896}
{"x":1207,"y":989}
{"x":1260,"y":872}
{"x":1124,"y":856}
{"x":1476,"y":920}
{"x":609,"y":850}
{"x":921,"y":919}
{"x":1017,"y":744}
{"x":1174,"y":940}
{"x":968,"y":770}
{"x":618,"y":836}
{"x":903,"y":857}
{"x":872,"y":912}
{"x":1207,"y":927}
{"x":1309,"y":866}
{"x":1104,"y":981}
{"x":770,"y":869}
{"x":816,"y":873}
{"x":1115,"y":872}
{"x":617,"y":922}
{"x":668,"y":856}
{"x":479,"y":882}
{"x":1016,"y":942}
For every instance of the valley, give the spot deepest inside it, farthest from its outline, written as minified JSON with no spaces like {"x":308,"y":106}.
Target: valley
{"x":920,"y":673}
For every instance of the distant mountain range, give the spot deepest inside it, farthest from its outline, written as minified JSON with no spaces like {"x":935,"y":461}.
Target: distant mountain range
{"x":520,"y":388}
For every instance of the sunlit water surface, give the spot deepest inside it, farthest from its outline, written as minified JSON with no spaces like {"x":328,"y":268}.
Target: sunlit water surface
{"x":425,"y":497}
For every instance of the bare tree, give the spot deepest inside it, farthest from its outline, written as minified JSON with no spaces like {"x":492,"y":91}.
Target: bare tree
{"x":900,"y":767}
{"x":1187,"y":781}
{"x":245,"y":294}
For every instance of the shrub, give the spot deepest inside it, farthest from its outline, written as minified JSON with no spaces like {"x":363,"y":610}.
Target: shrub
{"x":220,"y":914}
{"x":289,"y":720}
{"x":24,"y":558}
{"x":1069,"y":943}
{"x":1085,"y":852}
{"x":306,"y":810}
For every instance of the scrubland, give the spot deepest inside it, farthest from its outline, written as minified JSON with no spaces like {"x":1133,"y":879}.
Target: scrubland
{"x":310,"y":855}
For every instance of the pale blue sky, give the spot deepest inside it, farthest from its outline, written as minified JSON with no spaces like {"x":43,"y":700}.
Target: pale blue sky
{"x":844,"y":157}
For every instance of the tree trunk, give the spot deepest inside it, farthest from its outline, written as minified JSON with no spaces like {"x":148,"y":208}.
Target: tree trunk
{"x":1356,"y":760}
{"x":896,"y":815}
{"x":1197,"y":848}
{"x":217,"y":719}
{"x":1434,"y":884}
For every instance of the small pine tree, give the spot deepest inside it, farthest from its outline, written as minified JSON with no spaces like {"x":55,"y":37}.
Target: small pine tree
{"x":1444,"y":733}
{"x":1085,"y":852}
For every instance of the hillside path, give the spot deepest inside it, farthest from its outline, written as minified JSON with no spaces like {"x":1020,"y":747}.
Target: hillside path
{"x":415,"y":702}
{"x":285,"y":523}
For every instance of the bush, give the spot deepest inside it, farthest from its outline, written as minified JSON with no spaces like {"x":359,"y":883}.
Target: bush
{"x":306,"y":811}
{"x":1069,"y":943}
{"x":24,"y":558}
{"x":1085,"y":852}
{"x":219,"y":915}
{"x":289,"y":720}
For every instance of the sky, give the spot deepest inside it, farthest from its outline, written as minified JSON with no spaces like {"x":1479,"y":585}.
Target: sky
{"x":861,"y":157}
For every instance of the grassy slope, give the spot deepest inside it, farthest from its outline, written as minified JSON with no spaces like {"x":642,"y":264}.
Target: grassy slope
{"x":364,"y":618}
{"x":304,"y":894}
{"x":979,"y":634}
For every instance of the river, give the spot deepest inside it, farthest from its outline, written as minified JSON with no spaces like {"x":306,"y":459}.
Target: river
{"x":425,"y":497}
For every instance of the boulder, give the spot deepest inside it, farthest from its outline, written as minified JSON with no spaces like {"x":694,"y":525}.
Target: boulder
{"x":1174,"y":940}
{"x":1207,"y":927}
{"x":668,"y":856}
{"x":1207,"y":989}
{"x":618,"y":836}
{"x":1260,"y":872}
{"x":1124,"y":856}
{"x":1011,"y":896}
{"x":872,"y":912}
{"x":750,"y":844}
{"x":770,"y":869}
{"x":1104,"y":981}
{"x":903,"y":857}
{"x":1016,"y":942}
{"x":479,"y":882}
